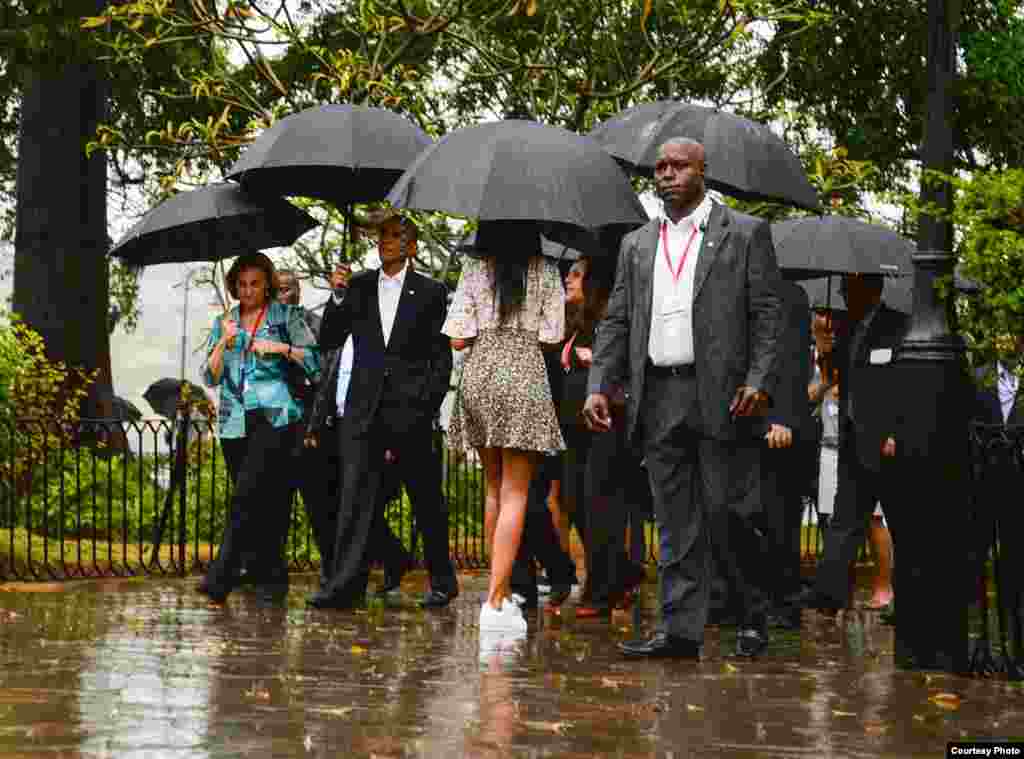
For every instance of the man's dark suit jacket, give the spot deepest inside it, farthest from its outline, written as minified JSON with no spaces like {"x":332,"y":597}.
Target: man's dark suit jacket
{"x":791,"y":407}
{"x":876,"y":418}
{"x":406,"y":380}
{"x":987,"y":408}
{"x":736,"y":318}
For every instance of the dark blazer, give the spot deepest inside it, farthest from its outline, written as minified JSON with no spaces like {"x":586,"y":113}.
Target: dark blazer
{"x":409,"y":377}
{"x":876,"y":418}
{"x":987,"y":408}
{"x":736,"y":316}
{"x":791,"y":407}
{"x":323,"y":409}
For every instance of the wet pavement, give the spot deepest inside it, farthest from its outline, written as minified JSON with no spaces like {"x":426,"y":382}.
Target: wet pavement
{"x":146,"y":668}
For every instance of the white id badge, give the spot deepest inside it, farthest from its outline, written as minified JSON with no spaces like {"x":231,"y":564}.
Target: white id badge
{"x":673,"y":306}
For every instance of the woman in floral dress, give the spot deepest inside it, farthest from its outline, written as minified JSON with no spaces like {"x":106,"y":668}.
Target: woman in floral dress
{"x":509,"y":304}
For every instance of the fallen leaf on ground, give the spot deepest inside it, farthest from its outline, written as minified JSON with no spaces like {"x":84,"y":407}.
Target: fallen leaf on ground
{"x":694,"y":708}
{"x":554,"y":727}
{"x":730,"y":668}
{"x":946,"y":700}
{"x":341,"y":711}
{"x":357,"y":650}
{"x":258,"y":692}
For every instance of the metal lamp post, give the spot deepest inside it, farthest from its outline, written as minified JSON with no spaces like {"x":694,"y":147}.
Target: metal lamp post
{"x":931,"y":396}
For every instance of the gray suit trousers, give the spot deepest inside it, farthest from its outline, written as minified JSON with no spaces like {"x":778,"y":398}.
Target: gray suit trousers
{"x":694,"y":481}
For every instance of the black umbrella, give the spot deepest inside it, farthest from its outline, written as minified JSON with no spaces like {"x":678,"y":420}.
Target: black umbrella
{"x":209,"y":224}
{"x":744,"y":159}
{"x":818,"y":246}
{"x":517,"y":170}
{"x":125,"y":410}
{"x":163,"y":395}
{"x":341,"y":153}
{"x":549,"y":248}
{"x":898,"y":293}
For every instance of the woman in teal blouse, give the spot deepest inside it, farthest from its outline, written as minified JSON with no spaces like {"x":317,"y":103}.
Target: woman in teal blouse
{"x":251,"y":353}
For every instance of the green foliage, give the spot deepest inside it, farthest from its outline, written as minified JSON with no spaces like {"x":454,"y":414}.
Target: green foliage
{"x":862,"y":81}
{"x":995,"y":54}
{"x":33,"y":387}
{"x":442,"y":63}
{"x":989,"y":214}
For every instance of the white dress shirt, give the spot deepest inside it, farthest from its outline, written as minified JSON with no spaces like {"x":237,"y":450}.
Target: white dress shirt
{"x":344,"y":375}
{"x":1008,"y":383}
{"x":671,"y":340}
{"x":389,"y":291}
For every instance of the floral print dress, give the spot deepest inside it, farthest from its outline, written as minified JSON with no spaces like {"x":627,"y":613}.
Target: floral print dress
{"x":504,"y":399}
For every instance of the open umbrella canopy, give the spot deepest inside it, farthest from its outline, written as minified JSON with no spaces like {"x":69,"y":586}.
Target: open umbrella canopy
{"x":211,"y":223}
{"x":550,"y":248}
{"x":163,"y":395}
{"x":897,"y":293}
{"x":517,"y":170}
{"x":816,"y":246}
{"x":341,"y":153}
{"x":744,"y":159}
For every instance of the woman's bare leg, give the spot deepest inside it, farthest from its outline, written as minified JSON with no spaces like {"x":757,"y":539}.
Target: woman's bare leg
{"x":517,"y":469}
{"x":490,"y":458}
{"x":881,"y":547}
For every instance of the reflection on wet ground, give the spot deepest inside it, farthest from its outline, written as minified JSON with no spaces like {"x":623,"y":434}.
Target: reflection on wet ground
{"x":147,"y":668}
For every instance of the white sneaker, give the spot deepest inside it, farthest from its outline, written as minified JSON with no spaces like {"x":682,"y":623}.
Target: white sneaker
{"x":509,"y":618}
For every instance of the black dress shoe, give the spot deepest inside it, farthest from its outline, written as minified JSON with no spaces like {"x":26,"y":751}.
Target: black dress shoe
{"x":437,"y":599}
{"x":809,"y":598}
{"x":559,"y":593}
{"x":785,"y":620}
{"x":662,"y":646}
{"x":393,"y":576}
{"x":218,"y":594}
{"x":750,"y":642}
{"x":271,"y":592}
{"x":324,"y":599}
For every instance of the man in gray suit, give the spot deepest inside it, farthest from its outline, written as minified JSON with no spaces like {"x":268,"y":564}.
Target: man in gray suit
{"x":693,"y":322}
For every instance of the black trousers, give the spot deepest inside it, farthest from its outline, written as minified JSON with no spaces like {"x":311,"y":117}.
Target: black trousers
{"x":540,"y":541}
{"x":784,"y":474}
{"x":259,"y":512}
{"x":599,"y":472}
{"x":384,"y":544}
{"x":858,"y":491}
{"x":697,"y":484}
{"x":574,"y":479}
{"x":362,"y":472}
{"x":312,"y":470}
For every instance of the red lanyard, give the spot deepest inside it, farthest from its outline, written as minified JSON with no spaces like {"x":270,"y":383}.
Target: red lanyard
{"x":565,"y":351}
{"x":686,"y":251}
{"x":255,"y":327}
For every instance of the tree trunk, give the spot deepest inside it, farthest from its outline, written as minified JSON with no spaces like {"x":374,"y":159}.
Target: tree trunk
{"x":61,"y":276}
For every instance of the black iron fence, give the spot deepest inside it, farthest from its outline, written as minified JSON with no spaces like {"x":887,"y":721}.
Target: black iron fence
{"x":996,"y":513}
{"x":114,"y":499}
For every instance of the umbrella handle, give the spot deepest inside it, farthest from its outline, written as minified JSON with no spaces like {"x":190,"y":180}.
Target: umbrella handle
{"x":231,"y":341}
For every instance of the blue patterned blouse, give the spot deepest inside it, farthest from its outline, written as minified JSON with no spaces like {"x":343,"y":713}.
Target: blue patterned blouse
{"x":249,"y":383}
